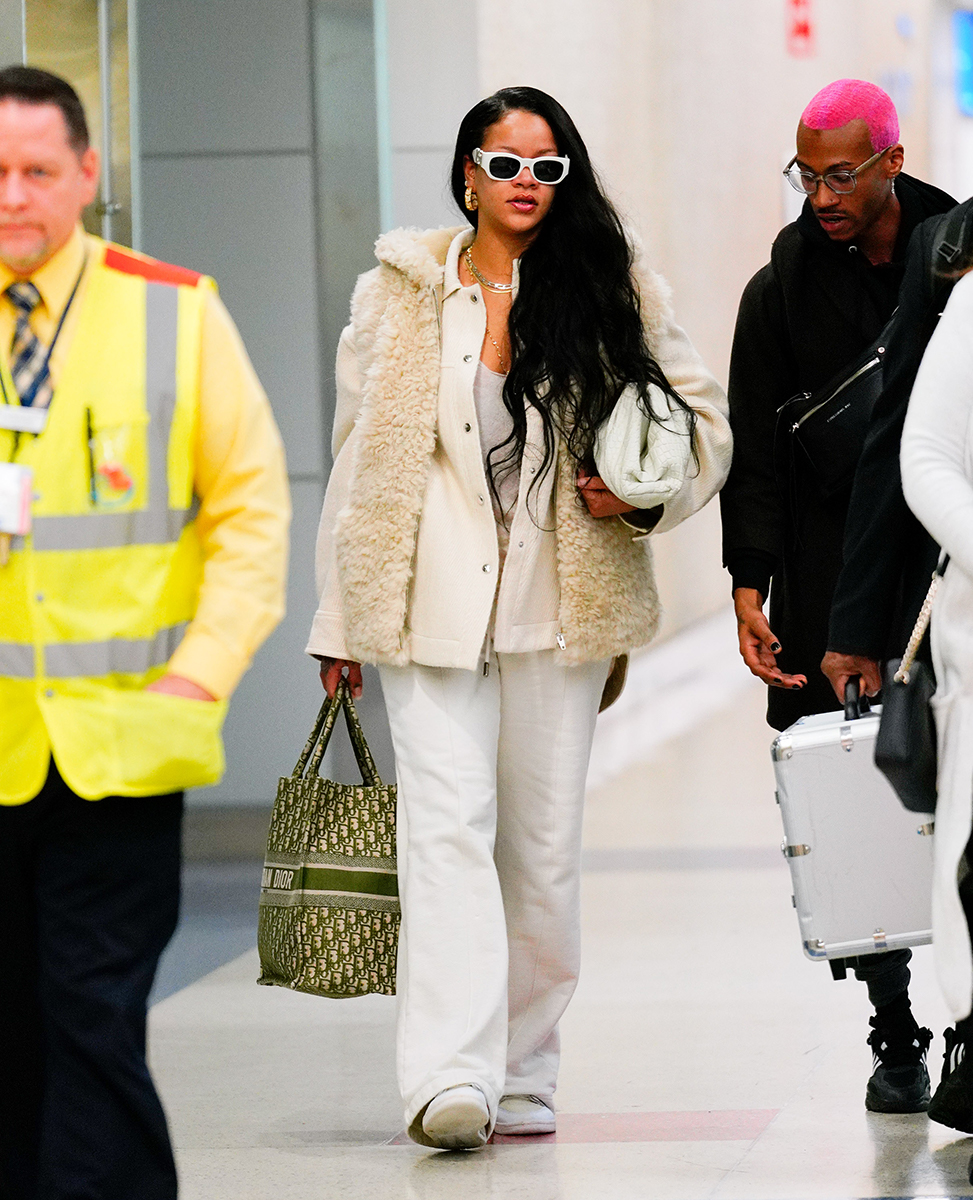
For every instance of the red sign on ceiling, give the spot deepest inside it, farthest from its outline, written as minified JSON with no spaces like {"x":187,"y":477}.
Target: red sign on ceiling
{"x":800,"y":28}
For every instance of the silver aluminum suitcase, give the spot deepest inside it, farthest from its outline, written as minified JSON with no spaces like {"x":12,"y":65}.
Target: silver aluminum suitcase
{"x":861,"y":864}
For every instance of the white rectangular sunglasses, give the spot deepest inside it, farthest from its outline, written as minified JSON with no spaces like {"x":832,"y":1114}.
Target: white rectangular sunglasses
{"x":503,"y":167}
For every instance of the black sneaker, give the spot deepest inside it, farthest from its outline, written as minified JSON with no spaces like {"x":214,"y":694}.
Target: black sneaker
{"x":952,"y":1104}
{"x":900,"y":1081}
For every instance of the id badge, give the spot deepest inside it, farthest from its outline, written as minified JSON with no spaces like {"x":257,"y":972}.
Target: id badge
{"x":21,"y":419}
{"x":16,"y":492}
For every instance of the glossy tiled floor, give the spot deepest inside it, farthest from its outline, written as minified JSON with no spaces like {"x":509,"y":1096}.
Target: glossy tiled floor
{"x":703,"y":1055}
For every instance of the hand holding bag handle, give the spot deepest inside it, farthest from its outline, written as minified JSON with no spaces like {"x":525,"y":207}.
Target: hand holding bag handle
{"x":317,"y":743}
{"x":856,"y":702}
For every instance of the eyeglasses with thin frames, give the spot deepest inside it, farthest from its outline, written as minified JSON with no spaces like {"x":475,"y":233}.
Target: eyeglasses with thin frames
{"x":839,"y":182}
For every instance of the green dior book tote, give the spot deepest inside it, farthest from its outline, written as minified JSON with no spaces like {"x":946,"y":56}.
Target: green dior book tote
{"x":329,"y":905}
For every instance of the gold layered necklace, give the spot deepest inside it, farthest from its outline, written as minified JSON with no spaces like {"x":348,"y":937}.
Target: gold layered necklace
{"x":482,"y":279}
{"x":502,"y":360}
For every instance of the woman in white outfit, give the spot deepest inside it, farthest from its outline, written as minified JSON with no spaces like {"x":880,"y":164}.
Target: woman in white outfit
{"x":469,"y":549}
{"x":937,"y":478}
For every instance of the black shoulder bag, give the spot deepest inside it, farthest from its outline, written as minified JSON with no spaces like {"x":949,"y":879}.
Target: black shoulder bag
{"x":826,"y":429}
{"x":905,"y":748}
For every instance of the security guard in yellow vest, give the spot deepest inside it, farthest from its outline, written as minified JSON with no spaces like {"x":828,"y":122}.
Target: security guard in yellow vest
{"x":143,"y":519}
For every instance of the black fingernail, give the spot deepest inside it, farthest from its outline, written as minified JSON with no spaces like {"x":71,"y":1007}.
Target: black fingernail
{"x":796,"y":687}
{"x":775,"y":647}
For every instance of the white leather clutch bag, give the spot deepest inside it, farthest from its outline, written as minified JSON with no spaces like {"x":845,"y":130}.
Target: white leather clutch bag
{"x":645,"y":463}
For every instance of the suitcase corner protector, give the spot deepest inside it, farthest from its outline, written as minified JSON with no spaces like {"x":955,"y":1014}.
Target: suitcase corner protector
{"x":814,"y":948}
{"x":782,"y":748}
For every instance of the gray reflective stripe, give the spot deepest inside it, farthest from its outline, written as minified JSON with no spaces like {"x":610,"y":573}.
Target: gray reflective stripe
{"x":16,"y":661}
{"x":161,"y":333}
{"x":128,"y":656}
{"x":98,"y":531}
{"x":156,"y":523}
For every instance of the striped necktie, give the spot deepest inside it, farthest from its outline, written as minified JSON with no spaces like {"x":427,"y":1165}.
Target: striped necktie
{"x":28,"y":358}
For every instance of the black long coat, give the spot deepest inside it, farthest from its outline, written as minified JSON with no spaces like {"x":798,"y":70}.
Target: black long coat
{"x":888,"y":556}
{"x":802,"y":318}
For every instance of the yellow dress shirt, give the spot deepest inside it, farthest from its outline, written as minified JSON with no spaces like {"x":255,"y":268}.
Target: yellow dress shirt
{"x":240,"y":476}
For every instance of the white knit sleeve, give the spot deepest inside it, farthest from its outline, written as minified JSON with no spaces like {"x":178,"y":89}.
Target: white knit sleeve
{"x":937,"y":467}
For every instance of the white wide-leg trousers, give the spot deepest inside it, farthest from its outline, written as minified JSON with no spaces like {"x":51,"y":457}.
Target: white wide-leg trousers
{"x":491,"y":776}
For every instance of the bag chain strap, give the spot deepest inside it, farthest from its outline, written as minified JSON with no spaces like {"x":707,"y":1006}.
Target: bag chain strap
{"x":919,"y":632}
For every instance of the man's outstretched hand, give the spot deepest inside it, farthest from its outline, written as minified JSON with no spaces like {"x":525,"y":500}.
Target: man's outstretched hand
{"x":758,"y":644}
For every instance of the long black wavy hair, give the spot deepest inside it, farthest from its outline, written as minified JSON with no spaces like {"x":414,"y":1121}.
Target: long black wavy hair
{"x":576,"y":333}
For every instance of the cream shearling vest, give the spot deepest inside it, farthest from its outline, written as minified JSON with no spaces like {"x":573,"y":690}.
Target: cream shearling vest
{"x":608,"y":599}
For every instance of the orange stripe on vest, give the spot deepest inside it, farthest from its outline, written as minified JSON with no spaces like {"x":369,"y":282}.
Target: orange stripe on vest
{"x":149,"y":268}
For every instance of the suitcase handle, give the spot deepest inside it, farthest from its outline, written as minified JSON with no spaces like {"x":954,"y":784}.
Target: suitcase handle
{"x":856,"y":702}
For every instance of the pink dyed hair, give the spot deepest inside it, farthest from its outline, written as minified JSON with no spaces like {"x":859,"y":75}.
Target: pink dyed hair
{"x":848,"y":99}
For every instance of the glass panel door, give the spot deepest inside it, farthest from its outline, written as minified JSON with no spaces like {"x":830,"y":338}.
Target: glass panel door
{"x":86,"y":42}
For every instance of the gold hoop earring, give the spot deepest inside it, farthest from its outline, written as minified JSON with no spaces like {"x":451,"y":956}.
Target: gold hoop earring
{"x":472,"y":204}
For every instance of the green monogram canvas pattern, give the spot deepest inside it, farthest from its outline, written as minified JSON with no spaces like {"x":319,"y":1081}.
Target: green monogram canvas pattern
{"x":329,"y":908}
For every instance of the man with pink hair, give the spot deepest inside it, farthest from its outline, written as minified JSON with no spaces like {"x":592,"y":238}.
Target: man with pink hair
{"x":827,"y":293}
{"x":850,"y":100}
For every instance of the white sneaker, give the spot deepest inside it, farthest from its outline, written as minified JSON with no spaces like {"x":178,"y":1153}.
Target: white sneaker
{"x":457,"y":1119}
{"x":523,"y":1116}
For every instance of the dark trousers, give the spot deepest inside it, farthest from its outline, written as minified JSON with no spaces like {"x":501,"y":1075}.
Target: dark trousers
{"x":887,"y":975}
{"x":89,"y":898}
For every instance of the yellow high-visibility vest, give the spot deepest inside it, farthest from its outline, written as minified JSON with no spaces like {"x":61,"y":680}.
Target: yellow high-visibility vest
{"x":95,"y":599}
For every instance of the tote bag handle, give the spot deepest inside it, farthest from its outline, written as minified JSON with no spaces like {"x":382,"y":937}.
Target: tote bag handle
{"x":317,"y":743}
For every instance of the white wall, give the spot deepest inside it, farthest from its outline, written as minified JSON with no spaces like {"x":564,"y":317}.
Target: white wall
{"x":952,"y":131}
{"x":432,"y":82}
